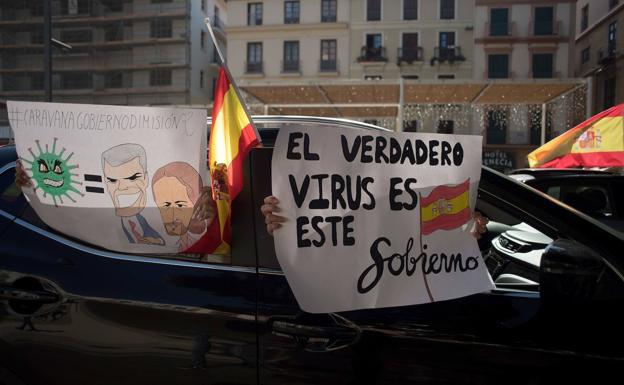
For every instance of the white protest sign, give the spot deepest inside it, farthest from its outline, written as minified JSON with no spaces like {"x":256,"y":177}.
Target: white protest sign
{"x":122,"y":178}
{"x":377,"y":219}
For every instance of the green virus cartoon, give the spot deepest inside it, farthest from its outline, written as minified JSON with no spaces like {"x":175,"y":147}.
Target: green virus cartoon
{"x":52,"y":173}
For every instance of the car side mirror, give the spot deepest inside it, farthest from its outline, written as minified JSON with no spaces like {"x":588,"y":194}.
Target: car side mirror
{"x":569,"y":273}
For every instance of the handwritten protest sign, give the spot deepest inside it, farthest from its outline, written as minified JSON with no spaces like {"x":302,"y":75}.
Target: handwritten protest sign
{"x":377,"y":219}
{"x":122,"y":178}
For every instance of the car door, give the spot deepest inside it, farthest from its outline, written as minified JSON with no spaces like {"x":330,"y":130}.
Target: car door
{"x":71,"y":313}
{"x":504,"y":336}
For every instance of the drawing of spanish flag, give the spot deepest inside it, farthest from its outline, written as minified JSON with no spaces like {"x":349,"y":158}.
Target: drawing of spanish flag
{"x":232,"y":136}
{"x":597,"y":142}
{"x":445,"y":208}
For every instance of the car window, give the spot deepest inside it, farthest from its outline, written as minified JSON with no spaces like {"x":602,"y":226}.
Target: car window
{"x":12,"y":200}
{"x":592,"y":199}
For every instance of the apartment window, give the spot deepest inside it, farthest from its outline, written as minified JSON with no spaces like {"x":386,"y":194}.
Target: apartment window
{"x":328,"y":55}
{"x":202,"y":37}
{"x":254,"y":57}
{"x":544,"y":21}
{"x":161,"y":28}
{"x":113,"y":80}
{"x":254,"y":14}
{"x":584,"y":17}
{"x":114,"y":5}
{"x":201,"y":79}
{"x":160,"y":77}
{"x":36,"y":8}
{"x":291,"y":12}
{"x":410,"y":126}
{"x":447,"y":9}
{"x":410,"y":9}
{"x":113,"y":32}
{"x":161,"y":1}
{"x":585,"y":55}
{"x":611,"y":39}
{"x":409,"y":50}
{"x":203,"y":4}
{"x":373,"y":10}
{"x":609,"y":92}
{"x":496,"y":130}
{"x":613,"y":3}
{"x":328,"y":11}
{"x":542,"y":65}
{"x":76,"y":80}
{"x":446,"y":50}
{"x":445,"y":126}
{"x":446,"y":77}
{"x":77,"y":36}
{"x":291,"y":56}
{"x":499,"y":22}
{"x":75,"y":7}
{"x":498,"y":66}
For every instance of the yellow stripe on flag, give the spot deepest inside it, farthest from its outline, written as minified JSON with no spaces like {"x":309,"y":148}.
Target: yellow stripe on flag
{"x":606,"y":135}
{"x":224,"y":140}
{"x":445,"y":207}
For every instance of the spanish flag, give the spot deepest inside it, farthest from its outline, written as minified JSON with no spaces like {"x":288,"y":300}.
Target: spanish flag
{"x":445,"y":208}
{"x":597,"y":142}
{"x":232,"y":136}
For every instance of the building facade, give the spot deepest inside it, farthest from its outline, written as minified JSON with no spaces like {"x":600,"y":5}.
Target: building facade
{"x":125,"y":52}
{"x":599,"y":54}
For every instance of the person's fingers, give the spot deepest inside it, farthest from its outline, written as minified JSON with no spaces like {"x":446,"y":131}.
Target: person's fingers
{"x":272,"y":218}
{"x":269,"y":208}
{"x":271,"y":200}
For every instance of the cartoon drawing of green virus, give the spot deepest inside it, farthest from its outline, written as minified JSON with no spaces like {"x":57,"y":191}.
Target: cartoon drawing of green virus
{"x":52,"y":173}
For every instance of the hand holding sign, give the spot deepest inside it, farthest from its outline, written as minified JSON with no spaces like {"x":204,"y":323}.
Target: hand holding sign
{"x":384,"y":221}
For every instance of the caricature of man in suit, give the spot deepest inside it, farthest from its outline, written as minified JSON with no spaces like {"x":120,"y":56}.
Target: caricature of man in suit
{"x":125,"y":175}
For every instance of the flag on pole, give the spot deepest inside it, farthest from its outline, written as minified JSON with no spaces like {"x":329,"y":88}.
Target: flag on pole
{"x":232,"y":136}
{"x":445,"y":208}
{"x":597,"y":142}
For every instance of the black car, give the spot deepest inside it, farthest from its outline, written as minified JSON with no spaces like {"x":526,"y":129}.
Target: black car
{"x":599,"y":194}
{"x":71,"y":313}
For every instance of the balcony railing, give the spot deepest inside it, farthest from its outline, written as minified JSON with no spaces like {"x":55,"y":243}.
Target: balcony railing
{"x":372,"y":54}
{"x":291,"y":66}
{"x":328,"y":65}
{"x":447,"y":54}
{"x":497,"y":29}
{"x":254,"y":67}
{"x":545,"y":28}
{"x":606,"y":55}
{"x":409,"y":55}
{"x":490,"y":74}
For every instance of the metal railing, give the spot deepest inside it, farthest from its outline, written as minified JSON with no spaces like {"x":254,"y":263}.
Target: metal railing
{"x":328,"y":65}
{"x":500,"y":29}
{"x":290,"y":66}
{"x":372,"y":54}
{"x":606,"y":55}
{"x":254,"y":67}
{"x":447,"y":54}
{"x":489,"y":74}
{"x":409,"y":55}
{"x":544,"y":74}
{"x":545,"y":28}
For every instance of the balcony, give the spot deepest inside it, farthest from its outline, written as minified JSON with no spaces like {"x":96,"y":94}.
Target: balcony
{"x":372,"y":54}
{"x":409,"y":56}
{"x":607,"y":55}
{"x":447,"y":54}
{"x":544,"y":74}
{"x":254,"y":67}
{"x":497,"y":29}
{"x":291,"y":66}
{"x":328,"y":65}
{"x":493,"y":75}
{"x":545,"y":29}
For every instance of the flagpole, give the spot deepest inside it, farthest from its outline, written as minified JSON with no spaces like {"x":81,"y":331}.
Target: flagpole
{"x":229,"y":75}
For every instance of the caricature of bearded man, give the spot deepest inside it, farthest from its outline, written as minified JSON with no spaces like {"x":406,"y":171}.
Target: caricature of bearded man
{"x":177,"y":187}
{"x":125,"y":172}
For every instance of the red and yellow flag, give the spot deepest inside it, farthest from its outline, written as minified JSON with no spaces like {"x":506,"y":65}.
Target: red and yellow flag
{"x":232,"y":136}
{"x":445,"y":208}
{"x":597,"y":142}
